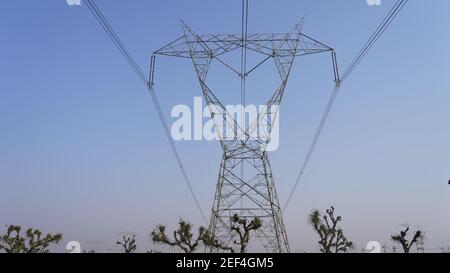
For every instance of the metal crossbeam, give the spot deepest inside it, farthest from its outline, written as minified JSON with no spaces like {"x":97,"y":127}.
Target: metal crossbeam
{"x":253,"y":195}
{"x":266,"y":44}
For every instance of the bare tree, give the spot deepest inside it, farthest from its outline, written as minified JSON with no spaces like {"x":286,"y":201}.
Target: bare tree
{"x":128,"y":244}
{"x":332,"y":238}
{"x":211,"y":242}
{"x":30,"y":242}
{"x":401,"y":238}
{"x":243,"y":228}
{"x":183,"y":238}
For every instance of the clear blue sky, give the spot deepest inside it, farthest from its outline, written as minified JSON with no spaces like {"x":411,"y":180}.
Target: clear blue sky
{"x":82,"y":150}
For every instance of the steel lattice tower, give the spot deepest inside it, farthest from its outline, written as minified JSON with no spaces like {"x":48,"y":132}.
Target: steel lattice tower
{"x":255,"y":194}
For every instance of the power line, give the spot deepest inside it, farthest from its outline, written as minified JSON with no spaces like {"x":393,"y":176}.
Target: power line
{"x":313,"y":145}
{"x":115,"y":39}
{"x":374,"y":38}
{"x":149,"y":85}
{"x":399,"y":5}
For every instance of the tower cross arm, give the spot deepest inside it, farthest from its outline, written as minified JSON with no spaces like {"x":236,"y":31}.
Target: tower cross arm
{"x":308,"y":45}
{"x":177,"y":48}
{"x":270,"y":44}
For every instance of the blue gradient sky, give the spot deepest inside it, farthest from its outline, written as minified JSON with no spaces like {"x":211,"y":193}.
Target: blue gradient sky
{"x":82,"y":150}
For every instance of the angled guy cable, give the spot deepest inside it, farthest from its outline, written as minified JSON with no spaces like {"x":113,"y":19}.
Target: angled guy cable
{"x":399,"y":5}
{"x":149,"y":85}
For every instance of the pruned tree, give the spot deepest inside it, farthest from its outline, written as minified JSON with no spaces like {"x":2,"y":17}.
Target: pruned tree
{"x":30,"y":242}
{"x":243,"y":228}
{"x":402,"y":238}
{"x":332,"y":238}
{"x":183,"y":238}
{"x":128,"y":244}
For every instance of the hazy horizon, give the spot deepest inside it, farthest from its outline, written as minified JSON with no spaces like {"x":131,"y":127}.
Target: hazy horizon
{"x":83,"y":152}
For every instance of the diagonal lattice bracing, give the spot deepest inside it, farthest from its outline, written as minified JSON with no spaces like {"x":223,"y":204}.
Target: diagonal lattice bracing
{"x":252,"y":195}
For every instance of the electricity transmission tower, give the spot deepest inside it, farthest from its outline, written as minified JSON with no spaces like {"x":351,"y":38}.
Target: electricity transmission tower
{"x":254,"y":194}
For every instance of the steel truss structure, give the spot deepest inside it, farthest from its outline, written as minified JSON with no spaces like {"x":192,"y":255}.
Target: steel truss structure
{"x":253,"y":195}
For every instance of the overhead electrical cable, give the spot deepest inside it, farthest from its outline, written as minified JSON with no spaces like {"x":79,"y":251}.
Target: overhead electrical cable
{"x":399,"y":5}
{"x":374,"y":38}
{"x":95,"y":10}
